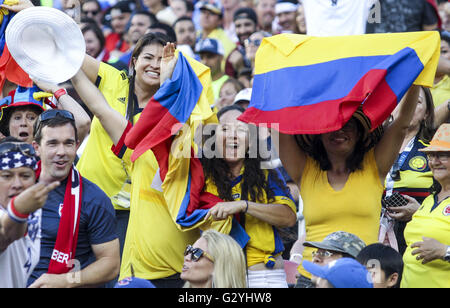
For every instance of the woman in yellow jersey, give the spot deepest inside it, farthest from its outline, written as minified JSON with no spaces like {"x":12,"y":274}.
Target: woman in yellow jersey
{"x":410,"y":175}
{"x":157,"y":256}
{"x":127,"y":95}
{"x":341,"y":176}
{"x":427,"y":257}
{"x":258,"y":196}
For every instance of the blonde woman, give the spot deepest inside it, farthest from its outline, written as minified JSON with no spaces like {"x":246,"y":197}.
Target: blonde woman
{"x":215,"y":260}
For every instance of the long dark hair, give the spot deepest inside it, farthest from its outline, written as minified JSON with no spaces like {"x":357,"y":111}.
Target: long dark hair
{"x":147,"y":39}
{"x":254,"y":183}
{"x":427,"y":129}
{"x":317,"y":151}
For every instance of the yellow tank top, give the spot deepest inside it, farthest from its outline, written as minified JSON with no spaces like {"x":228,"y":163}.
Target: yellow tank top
{"x":356,"y":208}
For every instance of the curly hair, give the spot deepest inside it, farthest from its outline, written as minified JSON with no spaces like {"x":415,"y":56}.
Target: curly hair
{"x":318,"y":153}
{"x":254,"y":182}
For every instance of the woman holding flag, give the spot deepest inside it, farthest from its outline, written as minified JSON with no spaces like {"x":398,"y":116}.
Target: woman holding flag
{"x":330,"y":144}
{"x":258,"y":196}
{"x":157,"y":256}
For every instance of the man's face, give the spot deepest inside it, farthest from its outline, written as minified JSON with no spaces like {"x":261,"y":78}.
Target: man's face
{"x":57,"y":150}
{"x":208,"y":20}
{"x":14,"y":181}
{"x":179,"y":8}
{"x":185,"y":32}
{"x":287,"y":21}
{"x":119,"y":21}
{"x":265,"y":10}
{"x":244,"y":28}
{"x":212,"y":60}
{"x":138,"y":25}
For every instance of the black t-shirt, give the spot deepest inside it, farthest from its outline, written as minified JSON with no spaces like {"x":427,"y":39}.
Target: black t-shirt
{"x":403,"y":16}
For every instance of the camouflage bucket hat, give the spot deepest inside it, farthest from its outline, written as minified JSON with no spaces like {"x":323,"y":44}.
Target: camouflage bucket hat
{"x":340,"y":241}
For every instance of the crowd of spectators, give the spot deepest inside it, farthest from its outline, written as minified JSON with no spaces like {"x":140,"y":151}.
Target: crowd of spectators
{"x":289,"y":215}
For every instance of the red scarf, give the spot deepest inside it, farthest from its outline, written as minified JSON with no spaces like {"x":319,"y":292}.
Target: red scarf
{"x":66,"y":240}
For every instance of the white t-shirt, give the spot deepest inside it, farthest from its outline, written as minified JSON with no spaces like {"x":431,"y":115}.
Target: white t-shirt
{"x":336,"y":17}
{"x":19,"y":259}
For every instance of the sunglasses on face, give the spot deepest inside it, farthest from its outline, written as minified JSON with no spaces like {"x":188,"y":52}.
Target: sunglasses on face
{"x":253,"y":42}
{"x":197,"y":253}
{"x":93,"y":13}
{"x":24,"y":148}
{"x":442,"y":157}
{"x":322,"y":253}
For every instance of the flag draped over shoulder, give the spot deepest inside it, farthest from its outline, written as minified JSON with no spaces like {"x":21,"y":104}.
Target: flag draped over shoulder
{"x":167,"y":126}
{"x":9,"y":69}
{"x":313,"y":85}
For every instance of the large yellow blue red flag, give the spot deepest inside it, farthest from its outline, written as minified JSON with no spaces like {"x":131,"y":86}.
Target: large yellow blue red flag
{"x":167,"y":126}
{"x":313,"y":85}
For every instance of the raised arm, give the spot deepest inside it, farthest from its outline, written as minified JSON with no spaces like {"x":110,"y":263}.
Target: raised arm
{"x":25,"y":203}
{"x":66,"y":102}
{"x":112,"y":121}
{"x":441,"y":113}
{"x":387,"y":150}
{"x":90,"y":67}
{"x":292,"y":157}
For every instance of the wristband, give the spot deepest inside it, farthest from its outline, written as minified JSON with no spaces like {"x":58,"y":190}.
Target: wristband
{"x":14,"y":214}
{"x":246,"y":208}
{"x":59,"y":93}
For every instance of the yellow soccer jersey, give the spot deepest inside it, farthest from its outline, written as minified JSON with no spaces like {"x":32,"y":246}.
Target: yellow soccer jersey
{"x":427,"y":223}
{"x":264,"y":238}
{"x":154,"y":245}
{"x":98,"y":163}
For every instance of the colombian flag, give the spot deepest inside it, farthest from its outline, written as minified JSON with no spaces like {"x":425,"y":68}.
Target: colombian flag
{"x":313,"y":85}
{"x":167,"y":126}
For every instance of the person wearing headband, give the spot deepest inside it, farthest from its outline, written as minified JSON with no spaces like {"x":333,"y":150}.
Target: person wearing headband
{"x":286,"y":13}
{"x":20,"y":201}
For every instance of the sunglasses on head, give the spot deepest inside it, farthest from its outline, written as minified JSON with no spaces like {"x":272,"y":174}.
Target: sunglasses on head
{"x":24,"y":148}
{"x":197,"y":253}
{"x":53,"y":113}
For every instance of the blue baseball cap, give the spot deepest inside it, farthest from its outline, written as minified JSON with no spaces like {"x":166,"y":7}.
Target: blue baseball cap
{"x":342,"y":273}
{"x":210,"y":45}
{"x":134,"y":282}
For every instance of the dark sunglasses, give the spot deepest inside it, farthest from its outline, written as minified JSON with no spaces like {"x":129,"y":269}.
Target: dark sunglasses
{"x":53,"y":113}
{"x":91,"y":12}
{"x":24,"y":148}
{"x":254,"y":42}
{"x":197,"y":253}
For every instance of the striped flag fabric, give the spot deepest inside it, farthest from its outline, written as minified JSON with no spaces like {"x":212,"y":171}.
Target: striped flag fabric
{"x":313,"y":85}
{"x":167,"y":126}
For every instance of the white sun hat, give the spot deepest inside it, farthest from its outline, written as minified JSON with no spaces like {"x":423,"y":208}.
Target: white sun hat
{"x":46,"y":43}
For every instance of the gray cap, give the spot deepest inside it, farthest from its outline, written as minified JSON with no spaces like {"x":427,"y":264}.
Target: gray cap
{"x":340,"y":241}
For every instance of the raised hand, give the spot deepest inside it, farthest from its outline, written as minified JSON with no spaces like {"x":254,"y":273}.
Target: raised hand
{"x":168,"y":62}
{"x":34,"y":197}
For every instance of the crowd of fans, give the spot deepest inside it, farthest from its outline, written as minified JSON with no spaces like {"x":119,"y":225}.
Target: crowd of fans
{"x":125,"y":221}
